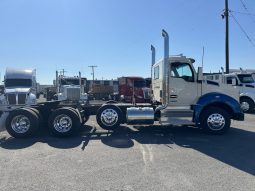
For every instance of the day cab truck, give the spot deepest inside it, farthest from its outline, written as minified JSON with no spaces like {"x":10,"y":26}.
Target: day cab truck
{"x":242,"y":81}
{"x":133,"y":90}
{"x":71,"y":89}
{"x":180,"y":97}
{"x":20,"y":87}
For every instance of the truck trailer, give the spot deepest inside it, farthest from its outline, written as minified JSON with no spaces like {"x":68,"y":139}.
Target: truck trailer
{"x":180,"y":97}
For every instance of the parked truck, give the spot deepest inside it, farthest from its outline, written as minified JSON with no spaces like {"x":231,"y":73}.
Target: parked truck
{"x":19,"y":87}
{"x":180,"y":97}
{"x":71,"y":89}
{"x":242,"y":81}
{"x":134,"y":90}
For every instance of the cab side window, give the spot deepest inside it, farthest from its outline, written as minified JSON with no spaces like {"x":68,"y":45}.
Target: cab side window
{"x":156,"y":72}
{"x":229,"y":80}
{"x":182,"y":70}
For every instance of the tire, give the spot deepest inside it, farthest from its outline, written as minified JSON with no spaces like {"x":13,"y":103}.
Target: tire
{"x":109,"y":117}
{"x":26,"y":116}
{"x":247,"y":105}
{"x":70,"y":120}
{"x":37,"y":113}
{"x":215,"y":120}
{"x":111,"y":101}
{"x":85,"y":118}
{"x":76,"y":111}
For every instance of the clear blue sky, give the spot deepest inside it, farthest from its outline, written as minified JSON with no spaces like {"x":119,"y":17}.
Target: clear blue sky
{"x":116,"y":35}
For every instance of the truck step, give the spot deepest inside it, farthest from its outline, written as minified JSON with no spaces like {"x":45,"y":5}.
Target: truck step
{"x":176,"y":121}
{"x":169,"y":112}
{"x":176,"y":116}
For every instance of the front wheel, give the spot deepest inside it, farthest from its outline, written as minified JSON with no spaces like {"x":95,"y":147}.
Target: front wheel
{"x":109,"y":117}
{"x":215,"y":120}
{"x":247,"y":105}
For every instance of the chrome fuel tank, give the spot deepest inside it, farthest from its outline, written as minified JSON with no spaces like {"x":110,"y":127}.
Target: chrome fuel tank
{"x":140,"y":115}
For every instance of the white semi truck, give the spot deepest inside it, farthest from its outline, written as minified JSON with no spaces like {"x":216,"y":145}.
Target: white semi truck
{"x":242,"y":81}
{"x":19,"y":87}
{"x":180,"y":97}
{"x":71,"y":89}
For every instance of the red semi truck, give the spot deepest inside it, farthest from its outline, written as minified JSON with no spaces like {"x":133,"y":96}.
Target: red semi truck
{"x":134,"y":90}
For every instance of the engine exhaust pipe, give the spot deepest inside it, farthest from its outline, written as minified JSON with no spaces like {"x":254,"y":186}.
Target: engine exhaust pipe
{"x":80,"y":83}
{"x":57,"y":82}
{"x":165,"y":87}
{"x":164,"y":67}
{"x":153,"y":59}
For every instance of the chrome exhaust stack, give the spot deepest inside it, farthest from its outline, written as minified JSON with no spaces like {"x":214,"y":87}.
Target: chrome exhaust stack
{"x":80,"y":82}
{"x":57,"y":82}
{"x":153,"y":59}
{"x":165,"y":85}
{"x":164,"y":67}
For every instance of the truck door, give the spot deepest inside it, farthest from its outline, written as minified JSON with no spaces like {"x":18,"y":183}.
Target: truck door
{"x":183,"y":92}
{"x":183,"y":88}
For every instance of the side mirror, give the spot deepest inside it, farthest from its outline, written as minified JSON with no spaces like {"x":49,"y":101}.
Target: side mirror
{"x":200,"y":74}
{"x":234,"y":82}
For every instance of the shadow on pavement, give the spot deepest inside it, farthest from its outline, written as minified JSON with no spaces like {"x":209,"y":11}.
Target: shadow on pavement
{"x":236,"y":148}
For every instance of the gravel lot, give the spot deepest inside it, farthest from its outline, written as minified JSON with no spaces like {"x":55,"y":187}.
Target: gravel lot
{"x":133,"y":158}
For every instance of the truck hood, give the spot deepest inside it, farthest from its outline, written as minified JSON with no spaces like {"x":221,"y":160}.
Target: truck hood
{"x":253,"y":84}
{"x":17,"y":90}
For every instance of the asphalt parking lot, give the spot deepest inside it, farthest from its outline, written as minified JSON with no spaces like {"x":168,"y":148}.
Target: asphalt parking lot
{"x":132,"y":158}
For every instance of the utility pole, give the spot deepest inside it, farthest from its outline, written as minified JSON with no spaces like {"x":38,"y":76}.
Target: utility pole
{"x":93,"y":73}
{"x":62,"y":72}
{"x":226,"y":15}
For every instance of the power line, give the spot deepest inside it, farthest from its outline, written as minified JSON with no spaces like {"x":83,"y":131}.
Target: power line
{"x":243,"y":13}
{"x":245,"y":7}
{"x":242,"y":29}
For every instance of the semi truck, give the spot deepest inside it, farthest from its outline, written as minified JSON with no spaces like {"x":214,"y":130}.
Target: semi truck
{"x":19,"y":87}
{"x":133,"y":90}
{"x":180,"y":97}
{"x":71,"y":89}
{"x":242,"y":81}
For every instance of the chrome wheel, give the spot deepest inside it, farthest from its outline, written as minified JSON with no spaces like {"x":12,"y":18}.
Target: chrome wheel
{"x":109,"y":117}
{"x":62,"y":123}
{"x":20,"y":124}
{"x":245,"y":106}
{"x":216,"y":122}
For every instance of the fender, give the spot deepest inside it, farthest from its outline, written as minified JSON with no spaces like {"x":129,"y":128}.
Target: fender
{"x":249,"y":94}
{"x":217,"y":98}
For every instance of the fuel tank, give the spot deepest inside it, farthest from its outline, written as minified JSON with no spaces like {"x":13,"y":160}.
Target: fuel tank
{"x":140,"y":115}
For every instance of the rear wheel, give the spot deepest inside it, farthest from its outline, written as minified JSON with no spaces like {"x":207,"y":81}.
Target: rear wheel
{"x":22,"y":123}
{"x":215,"y":120}
{"x":38,"y":114}
{"x":85,"y":118}
{"x":247,"y":105}
{"x":63,"y":122}
{"x":109,"y":117}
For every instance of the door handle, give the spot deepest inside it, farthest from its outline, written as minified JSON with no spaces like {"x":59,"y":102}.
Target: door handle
{"x":173,"y":96}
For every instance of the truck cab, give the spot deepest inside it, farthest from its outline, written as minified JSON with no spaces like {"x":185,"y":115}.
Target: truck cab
{"x":184,"y":85}
{"x":134,"y":90}
{"x":19,"y":87}
{"x":71,"y":89}
{"x":244,"y":82}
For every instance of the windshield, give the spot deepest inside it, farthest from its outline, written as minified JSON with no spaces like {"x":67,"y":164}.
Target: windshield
{"x":246,"y":78}
{"x":70,"y":82}
{"x":139,"y":83}
{"x":18,"y":83}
